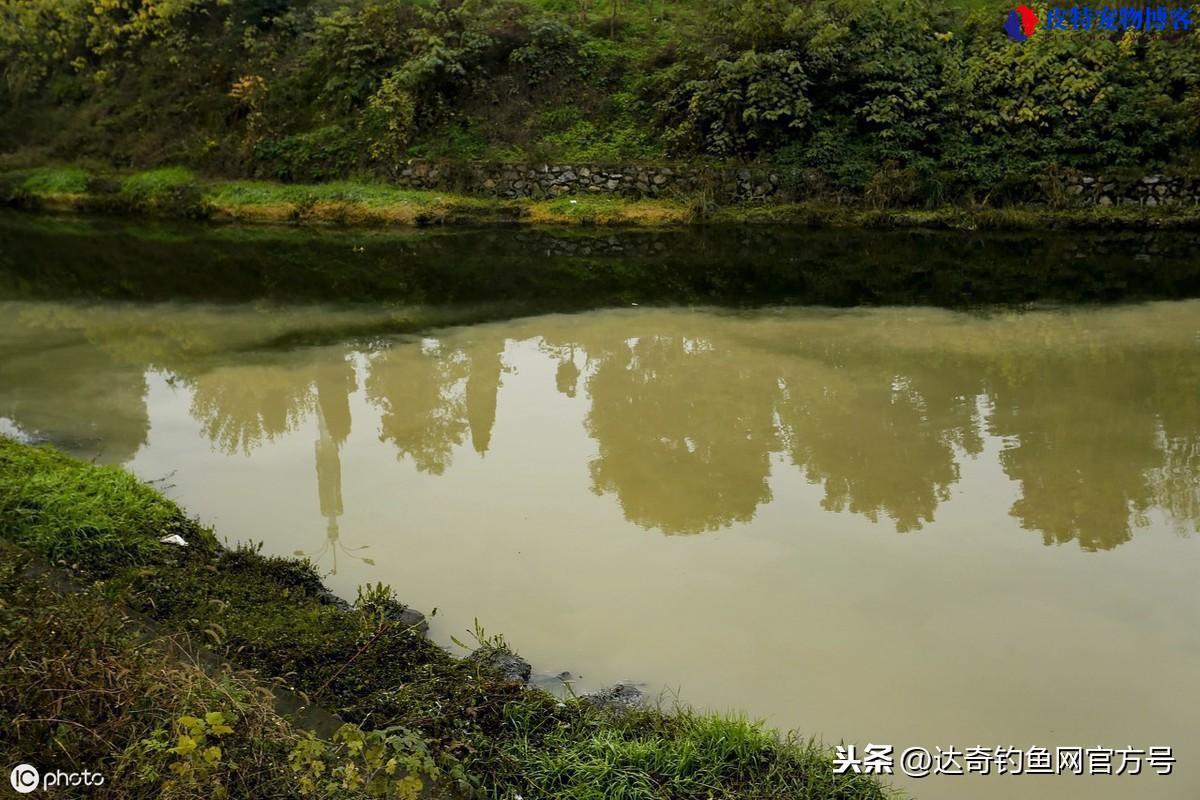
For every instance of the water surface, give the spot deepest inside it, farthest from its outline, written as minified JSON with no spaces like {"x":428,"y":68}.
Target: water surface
{"x":910,"y":525}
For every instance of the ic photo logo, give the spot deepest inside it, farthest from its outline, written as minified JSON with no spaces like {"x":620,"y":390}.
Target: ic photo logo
{"x":24,"y":778}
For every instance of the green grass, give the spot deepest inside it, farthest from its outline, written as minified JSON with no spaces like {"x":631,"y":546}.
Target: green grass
{"x":80,"y":682}
{"x":488,"y":734}
{"x":157,"y":182}
{"x":57,"y":180}
{"x":682,"y":756}
{"x":369,"y":194}
{"x":77,"y":513}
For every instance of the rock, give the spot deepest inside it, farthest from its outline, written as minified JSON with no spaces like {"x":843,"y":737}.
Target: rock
{"x":510,"y":666}
{"x":1088,"y":180}
{"x":1151,"y":201}
{"x":408,"y":617}
{"x":620,"y":698}
{"x":1161,"y":190}
{"x":1150,"y":180}
{"x":1106,"y":201}
{"x":326,"y":597}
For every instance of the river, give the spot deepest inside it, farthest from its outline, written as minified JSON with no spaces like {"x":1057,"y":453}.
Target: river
{"x":831,"y":481}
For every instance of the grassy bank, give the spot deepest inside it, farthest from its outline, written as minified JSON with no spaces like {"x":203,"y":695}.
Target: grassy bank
{"x":180,"y":193}
{"x":175,"y":192}
{"x":462,"y":727}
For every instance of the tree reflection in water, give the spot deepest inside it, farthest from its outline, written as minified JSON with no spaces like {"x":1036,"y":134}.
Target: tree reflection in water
{"x":1093,"y":412}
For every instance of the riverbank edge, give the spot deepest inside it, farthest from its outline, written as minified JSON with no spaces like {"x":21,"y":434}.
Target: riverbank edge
{"x":178,"y":193}
{"x":487,"y":733}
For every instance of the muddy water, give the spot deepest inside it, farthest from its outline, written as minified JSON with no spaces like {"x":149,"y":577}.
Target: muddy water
{"x":911,"y":526}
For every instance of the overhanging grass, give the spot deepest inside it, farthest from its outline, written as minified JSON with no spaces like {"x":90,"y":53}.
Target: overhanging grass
{"x":270,"y":614}
{"x":69,"y":511}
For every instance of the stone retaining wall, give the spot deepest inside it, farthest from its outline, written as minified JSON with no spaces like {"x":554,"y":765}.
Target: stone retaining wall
{"x":539,"y":181}
{"x":1147,"y":190}
{"x":763,"y":184}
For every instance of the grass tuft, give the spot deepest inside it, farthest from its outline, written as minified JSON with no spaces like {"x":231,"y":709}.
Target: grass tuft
{"x":71,"y":512}
{"x":57,"y":181}
{"x":157,"y":182}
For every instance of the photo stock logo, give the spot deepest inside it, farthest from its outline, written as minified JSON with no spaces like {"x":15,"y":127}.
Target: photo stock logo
{"x":24,"y":778}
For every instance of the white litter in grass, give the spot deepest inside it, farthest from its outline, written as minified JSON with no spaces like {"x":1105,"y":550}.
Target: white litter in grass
{"x":174,"y":538}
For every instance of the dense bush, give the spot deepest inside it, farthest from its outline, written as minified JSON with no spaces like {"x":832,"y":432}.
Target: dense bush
{"x":907,"y":96}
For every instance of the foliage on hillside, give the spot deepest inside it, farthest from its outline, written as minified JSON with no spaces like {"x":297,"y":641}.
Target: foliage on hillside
{"x":921,"y":97}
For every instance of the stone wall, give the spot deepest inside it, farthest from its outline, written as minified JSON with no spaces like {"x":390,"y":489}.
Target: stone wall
{"x":762,"y":184}
{"x":1147,"y":190}
{"x":539,"y":181}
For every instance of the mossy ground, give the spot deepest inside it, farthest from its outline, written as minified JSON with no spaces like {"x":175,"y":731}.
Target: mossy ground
{"x":176,"y":192}
{"x":494,"y":737}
